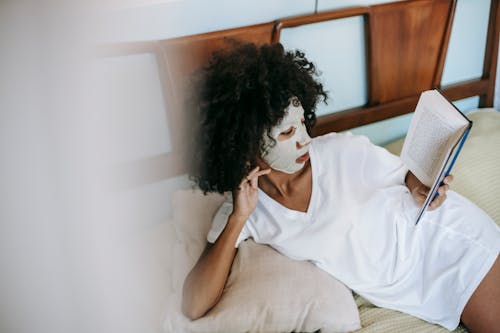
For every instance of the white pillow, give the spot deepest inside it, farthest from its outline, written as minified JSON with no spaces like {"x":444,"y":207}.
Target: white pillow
{"x":265,"y":292}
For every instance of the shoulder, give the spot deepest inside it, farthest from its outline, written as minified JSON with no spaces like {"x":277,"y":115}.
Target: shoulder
{"x":339,"y":141}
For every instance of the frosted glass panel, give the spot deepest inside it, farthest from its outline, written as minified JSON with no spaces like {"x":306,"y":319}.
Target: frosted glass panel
{"x":385,"y":131}
{"x":337,"y":49}
{"x":132,"y":114}
{"x":464,"y":60}
{"x":467,"y":104}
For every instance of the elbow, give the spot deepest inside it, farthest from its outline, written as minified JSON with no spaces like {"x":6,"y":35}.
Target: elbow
{"x":197,"y":297}
{"x":192,"y":305}
{"x":191,"y":310}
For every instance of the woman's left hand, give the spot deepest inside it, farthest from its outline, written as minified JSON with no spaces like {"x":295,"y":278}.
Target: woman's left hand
{"x":419,"y":191}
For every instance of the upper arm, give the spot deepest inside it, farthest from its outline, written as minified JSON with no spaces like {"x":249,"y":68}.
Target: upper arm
{"x":381,"y":167}
{"x":206,"y":250}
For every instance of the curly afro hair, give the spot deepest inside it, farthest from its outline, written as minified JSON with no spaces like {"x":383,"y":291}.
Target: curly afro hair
{"x":240,"y":95}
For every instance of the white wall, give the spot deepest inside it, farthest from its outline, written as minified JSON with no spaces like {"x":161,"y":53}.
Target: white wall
{"x":187,"y":17}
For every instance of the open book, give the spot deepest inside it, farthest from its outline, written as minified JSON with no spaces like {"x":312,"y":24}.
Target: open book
{"x":436,"y":135}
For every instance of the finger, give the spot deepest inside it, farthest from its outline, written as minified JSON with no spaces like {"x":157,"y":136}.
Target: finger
{"x":435,"y":202}
{"x":443,"y":189}
{"x":258,"y":174}
{"x":244,"y":181}
{"x":438,"y":201}
{"x":242,"y":184}
{"x":254,"y":181}
{"x":262,"y":172}
{"x":248,"y":178}
{"x":423,"y":191}
{"x":254,"y":170}
{"x":448,"y":179}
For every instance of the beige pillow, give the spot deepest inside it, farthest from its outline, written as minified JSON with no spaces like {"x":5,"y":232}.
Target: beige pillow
{"x":265,"y":292}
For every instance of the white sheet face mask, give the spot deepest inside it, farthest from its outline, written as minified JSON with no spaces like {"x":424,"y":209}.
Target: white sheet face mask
{"x":293,"y":144}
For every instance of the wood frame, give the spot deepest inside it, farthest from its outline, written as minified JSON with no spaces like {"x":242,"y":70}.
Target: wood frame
{"x":422,"y":25}
{"x":382,"y":105}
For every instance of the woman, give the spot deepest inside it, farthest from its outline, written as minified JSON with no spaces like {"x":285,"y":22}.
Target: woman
{"x":337,"y":200}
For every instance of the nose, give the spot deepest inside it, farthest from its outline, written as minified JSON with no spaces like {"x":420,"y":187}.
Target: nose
{"x":303,"y":138}
{"x":302,"y":144}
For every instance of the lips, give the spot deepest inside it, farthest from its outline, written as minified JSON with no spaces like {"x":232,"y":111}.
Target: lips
{"x":303,"y":158}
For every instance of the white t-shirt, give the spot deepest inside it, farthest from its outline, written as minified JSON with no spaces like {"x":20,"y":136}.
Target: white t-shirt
{"x":359,"y":227}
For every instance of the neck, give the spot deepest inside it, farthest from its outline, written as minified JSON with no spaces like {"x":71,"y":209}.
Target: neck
{"x":280,"y":182}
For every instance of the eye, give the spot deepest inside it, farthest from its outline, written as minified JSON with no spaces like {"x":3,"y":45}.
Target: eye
{"x":288,"y":131}
{"x":286,"y":134}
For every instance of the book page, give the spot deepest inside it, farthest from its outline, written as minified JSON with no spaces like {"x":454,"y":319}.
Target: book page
{"x":434,"y":129}
{"x":451,"y":156}
{"x":430,"y":146}
{"x":430,"y":143}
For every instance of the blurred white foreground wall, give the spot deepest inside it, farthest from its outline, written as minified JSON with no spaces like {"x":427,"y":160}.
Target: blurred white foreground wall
{"x":70,"y":258}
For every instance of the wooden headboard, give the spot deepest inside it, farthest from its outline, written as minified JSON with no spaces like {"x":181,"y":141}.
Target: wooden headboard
{"x":406,"y":44}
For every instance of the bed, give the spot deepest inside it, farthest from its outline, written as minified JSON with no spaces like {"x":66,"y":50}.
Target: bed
{"x":174,"y":245}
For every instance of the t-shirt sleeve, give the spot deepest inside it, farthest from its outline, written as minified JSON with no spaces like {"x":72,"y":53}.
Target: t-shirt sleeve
{"x":380,"y":167}
{"x":220,"y":220}
{"x":357,"y":161}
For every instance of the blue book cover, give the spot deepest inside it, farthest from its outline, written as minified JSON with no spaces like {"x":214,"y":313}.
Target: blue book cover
{"x":434,"y":140}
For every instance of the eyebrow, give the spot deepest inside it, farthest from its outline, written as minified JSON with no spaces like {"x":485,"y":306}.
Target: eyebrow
{"x":290,"y":123}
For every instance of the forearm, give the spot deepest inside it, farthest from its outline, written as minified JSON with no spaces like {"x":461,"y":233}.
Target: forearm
{"x":411,"y":181}
{"x":205,"y":283}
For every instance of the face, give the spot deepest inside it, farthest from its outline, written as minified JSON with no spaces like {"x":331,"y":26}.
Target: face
{"x":291,"y":150}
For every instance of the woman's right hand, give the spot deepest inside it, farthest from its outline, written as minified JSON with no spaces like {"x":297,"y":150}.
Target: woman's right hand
{"x":245,"y":197}
{"x":205,"y":282}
